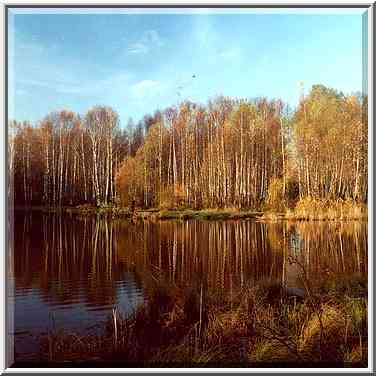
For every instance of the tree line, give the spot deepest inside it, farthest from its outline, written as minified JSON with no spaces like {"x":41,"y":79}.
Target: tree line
{"x":228,"y":153}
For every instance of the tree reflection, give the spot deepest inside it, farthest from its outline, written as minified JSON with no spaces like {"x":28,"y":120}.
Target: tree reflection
{"x":72,"y":259}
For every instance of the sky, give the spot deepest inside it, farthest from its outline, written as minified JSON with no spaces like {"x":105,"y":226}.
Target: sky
{"x":139,"y":61}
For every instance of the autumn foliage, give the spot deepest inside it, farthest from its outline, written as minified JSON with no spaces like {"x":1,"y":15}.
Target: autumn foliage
{"x":230,"y":153}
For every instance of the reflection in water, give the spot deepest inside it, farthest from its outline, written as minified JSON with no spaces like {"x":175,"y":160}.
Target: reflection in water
{"x":234,"y":252}
{"x":72,"y":271}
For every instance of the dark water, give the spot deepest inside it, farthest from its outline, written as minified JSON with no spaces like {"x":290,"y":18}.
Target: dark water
{"x":70,"y":272}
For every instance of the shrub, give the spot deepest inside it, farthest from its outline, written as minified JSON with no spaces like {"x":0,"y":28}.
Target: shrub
{"x":276,"y":200}
{"x":171,"y":197}
{"x":324,"y":209}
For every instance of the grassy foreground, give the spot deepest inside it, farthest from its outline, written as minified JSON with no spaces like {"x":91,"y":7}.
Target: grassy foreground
{"x":260,"y":326}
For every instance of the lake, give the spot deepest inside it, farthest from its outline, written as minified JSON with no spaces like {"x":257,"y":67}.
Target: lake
{"x":68,"y":272}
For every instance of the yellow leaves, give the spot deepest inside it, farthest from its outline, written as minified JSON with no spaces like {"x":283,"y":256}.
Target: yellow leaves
{"x":352,"y":100}
{"x":128,"y":180}
{"x":275,"y":194}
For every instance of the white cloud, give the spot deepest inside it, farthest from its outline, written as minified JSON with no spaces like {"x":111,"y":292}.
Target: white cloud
{"x":153,"y":37}
{"x":138,"y":48}
{"x":149,"y":39}
{"x":31,"y":47}
{"x":78,"y":87}
{"x":203,"y":32}
{"x":229,"y":54}
{"x":146,"y":88}
{"x":21,"y":92}
{"x":60,"y":87}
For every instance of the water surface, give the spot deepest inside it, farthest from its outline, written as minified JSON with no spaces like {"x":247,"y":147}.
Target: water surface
{"x":69,"y":272}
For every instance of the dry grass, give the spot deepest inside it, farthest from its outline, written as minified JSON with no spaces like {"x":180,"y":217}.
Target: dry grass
{"x":320,"y":209}
{"x":320,"y":339}
{"x":271,"y":351}
{"x":258,"y":326}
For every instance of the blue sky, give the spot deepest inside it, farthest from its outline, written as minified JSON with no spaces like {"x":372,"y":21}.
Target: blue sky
{"x":139,"y":62}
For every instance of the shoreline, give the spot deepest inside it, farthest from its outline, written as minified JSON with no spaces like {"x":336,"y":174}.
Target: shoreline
{"x":202,"y":214}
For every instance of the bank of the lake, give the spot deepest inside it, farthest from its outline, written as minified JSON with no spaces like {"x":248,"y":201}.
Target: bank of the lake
{"x":261,"y":325}
{"x":306,"y":209}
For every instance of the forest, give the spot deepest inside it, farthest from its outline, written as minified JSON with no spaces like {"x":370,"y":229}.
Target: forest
{"x":229,"y":153}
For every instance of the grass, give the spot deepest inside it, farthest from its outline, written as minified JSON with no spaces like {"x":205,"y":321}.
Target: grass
{"x":208,"y":214}
{"x":259,"y":326}
{"x":305,"y":209}
{"x":318,"y":209}
{"x":153,"y":213}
